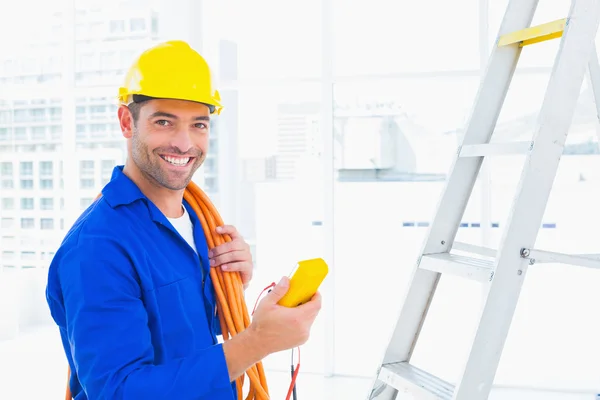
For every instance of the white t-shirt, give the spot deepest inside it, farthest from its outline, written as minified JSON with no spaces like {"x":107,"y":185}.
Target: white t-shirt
{"x":184,"y":226}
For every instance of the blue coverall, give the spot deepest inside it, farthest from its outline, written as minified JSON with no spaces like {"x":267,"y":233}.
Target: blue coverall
{"x":135,"y":305}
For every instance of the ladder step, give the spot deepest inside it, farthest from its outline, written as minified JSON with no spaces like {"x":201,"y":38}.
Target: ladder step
{"x":463,"y":266}
{"x":495,"y":149}
{"x":535,"y":34}
{"x":407,"y":378}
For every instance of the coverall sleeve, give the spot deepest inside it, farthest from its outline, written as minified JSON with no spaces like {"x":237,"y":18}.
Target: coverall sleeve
{"x":107,"y":329}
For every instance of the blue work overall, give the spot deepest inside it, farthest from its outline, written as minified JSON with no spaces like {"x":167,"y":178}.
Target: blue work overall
{"x":135,"y":304}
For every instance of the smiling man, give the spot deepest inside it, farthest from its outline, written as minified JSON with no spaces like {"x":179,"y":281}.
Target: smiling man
{"x":129,"y":287}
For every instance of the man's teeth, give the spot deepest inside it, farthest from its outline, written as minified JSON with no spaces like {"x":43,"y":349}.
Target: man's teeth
{"x":177,"y":161}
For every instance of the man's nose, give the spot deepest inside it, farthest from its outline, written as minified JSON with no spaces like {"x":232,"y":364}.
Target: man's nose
{"x":182,"y":140}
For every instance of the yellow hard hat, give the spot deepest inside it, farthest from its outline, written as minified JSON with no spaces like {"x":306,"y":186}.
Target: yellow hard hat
{"x":171,"y":70}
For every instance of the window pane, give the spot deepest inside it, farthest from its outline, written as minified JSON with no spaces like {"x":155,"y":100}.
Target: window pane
{"x":7,"y":204}
{"x":274,"y":39}
{"x":26,"y":204}
{"x":394,"y":142}
{"x":277,"y":149}
{"x":390,"y":36}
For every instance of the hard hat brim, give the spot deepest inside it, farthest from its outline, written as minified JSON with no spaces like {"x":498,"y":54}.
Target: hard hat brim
{"x":140,"y":98}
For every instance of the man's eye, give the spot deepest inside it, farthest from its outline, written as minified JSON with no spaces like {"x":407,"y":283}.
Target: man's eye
{"x":201,"y":126}
{"x":162,"y":122}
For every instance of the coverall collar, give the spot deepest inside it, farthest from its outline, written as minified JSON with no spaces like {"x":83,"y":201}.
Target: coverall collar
{"x":121,"y":190}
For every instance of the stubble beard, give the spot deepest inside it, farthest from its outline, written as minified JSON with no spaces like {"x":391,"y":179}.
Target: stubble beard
{"x":149,"y":164}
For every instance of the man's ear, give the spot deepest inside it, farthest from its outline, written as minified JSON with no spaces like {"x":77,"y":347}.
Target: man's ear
{"x":126,"y":121}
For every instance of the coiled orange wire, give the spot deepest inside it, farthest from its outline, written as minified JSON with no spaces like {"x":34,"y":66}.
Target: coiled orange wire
{"x":231,"y":306}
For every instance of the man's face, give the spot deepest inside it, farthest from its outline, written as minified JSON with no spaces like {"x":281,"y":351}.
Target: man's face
{"x":169,"y":141}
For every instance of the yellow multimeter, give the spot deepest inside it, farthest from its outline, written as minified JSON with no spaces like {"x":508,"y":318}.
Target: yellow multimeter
{"x":305,"y":280}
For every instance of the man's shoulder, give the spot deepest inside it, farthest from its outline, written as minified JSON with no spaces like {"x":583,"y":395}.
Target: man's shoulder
{"x":99,"y":231}
{"x":97,"y":220}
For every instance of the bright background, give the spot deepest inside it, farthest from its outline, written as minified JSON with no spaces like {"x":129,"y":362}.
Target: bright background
{"x":341,"y":121}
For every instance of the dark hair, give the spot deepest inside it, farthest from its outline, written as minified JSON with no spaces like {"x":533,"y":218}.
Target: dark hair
{"x":135,"y":108}
{"x":138,"y":102}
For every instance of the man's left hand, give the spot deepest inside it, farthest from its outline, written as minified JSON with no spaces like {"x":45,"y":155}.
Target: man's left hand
{"x":234,"y":255}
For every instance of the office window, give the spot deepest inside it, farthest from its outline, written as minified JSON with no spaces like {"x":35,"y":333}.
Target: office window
{"x":26,"y":183}
{"x":80,"y":131}
{"x":46,"y":168}
{"x":210,"y":184}
{"x":28,"y":255}
{"x":117,"y":26}
{"x":8,"y":204}
{"x":8,"y":255}
{"x":86,"y":167}
{"x":4,"y":134}
{"x":27,"y":223}
{"x":138,"y":25}
{"x":27,"y":203}
{"x":98,"y":110}
{"x":38,"y":114}
{"x":80,"y":112}
{"x":86,"y":183}
{"x":98,"y":130}
{"x":85,"y":203}
{"x":55,"y":132}
{"x":26,"y":168}
{"x":5,"y":117}
{"x":7,"y":184}
{"x":47,"y":223}
{"x":6,"y":169}
{"x":21,"y":116}
{"x":46,"y":184}
{"x":38,"y":133}
{"x":47,"y":203}
{"x":107,"y":167}
{"x":7,"y":223}
{"x":55,"y":113}
{"x":20,"y":133}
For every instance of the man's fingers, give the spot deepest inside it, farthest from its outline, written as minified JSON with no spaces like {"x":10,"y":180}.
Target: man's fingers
{"x":314,"y":305}
{"x":232,"y":256}
{"x":244,"y":268}
{"x":278,"y":291}
{"x":229,"y":230}
{"x":240,"y":266}
{"x":234,"y":245}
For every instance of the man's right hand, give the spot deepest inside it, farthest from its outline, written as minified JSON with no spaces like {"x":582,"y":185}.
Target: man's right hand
{"x":280,"y":328}
{"x":274,"y":328}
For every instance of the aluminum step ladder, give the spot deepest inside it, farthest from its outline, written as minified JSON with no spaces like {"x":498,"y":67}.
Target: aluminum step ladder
{"x":502,"y":273}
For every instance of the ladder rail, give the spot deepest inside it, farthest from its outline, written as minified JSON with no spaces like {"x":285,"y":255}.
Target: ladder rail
{"x":488,"y":103}
{"x":530,"y":202}
{"x":576,"y":54}
{"x":594,"y":81}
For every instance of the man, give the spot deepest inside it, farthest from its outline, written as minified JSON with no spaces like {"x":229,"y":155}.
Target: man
{"x":129,"y":287}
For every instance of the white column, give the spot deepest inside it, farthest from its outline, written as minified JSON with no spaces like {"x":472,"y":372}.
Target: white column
{"x":70,"y":168}
{"x":327,"y":110}
{"x":181,"y":20}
